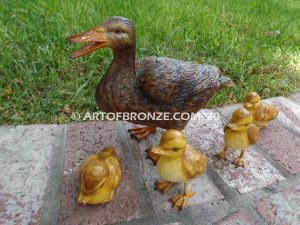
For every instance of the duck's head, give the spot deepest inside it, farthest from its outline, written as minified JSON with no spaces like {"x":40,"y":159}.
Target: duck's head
{"x":116,"y":33}
{"x":172,"y":144}
{"x":251,"y":101}
{"x":240,"y":120}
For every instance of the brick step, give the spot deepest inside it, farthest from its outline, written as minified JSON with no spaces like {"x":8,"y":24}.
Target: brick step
{"x":39,"y":179}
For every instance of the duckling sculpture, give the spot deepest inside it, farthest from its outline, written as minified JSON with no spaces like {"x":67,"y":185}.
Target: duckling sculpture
{"x":100,"y":175}
{"x":178,"y":162}
{"x":262,"y":113}
{"x":152,"y":84}
{"x":239,"y":134}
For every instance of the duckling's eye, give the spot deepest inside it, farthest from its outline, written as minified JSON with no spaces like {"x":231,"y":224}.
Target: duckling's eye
{"x":175,"y":149}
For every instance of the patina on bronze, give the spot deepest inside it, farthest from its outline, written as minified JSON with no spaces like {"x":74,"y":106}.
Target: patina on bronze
{"x":152,"y":84}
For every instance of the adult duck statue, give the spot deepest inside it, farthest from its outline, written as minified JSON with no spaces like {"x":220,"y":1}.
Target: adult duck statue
{"x":148,"y":85}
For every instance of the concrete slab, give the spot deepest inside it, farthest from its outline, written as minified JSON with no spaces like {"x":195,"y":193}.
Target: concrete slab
{"x":206,"y":134}
{"x":25,"y":157}
{"x":237,"y":218}
{"x":84,"y":139}
{"x":207,"y":192}
{"x":281,"y":208}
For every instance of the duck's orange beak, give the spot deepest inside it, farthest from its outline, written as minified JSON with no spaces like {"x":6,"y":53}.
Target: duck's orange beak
{"x":96,"y":38}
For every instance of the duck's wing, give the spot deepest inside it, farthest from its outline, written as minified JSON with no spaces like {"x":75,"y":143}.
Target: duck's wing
{"x":174,"y":82}
{"x":194,"y":162}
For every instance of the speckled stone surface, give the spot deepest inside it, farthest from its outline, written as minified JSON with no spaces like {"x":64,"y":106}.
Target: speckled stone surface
{"x":237,"y":218}
{"x":25,"y":156}
{"x":84,"y":139}
{"x":206,"y":134}
{"x":207,"y":192}
{"x":281,"y":208}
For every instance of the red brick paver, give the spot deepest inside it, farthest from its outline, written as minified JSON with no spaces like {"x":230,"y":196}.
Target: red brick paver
{"x":84,"y":139}
{"x":281,"y":208}
{"x":282,"y":145}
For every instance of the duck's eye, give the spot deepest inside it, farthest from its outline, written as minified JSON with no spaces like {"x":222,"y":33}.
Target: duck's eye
{"x":117,"y":30}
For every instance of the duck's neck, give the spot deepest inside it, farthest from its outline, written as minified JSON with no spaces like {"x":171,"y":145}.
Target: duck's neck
{"x":123,"y":64}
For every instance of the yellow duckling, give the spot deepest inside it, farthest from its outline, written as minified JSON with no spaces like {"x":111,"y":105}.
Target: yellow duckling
{"x":100,"y":175}
{"x":262,"y":113}
{"x":178,"y":162}
{"x":239,"y":133}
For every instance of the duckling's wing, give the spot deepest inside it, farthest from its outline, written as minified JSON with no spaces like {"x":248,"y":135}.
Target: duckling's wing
{"x":114,"y":171}
{"x":88,"y":161}
{"x":174,"y":82}
{"x":194,"y":162}
{"x":266,"y":112}
{"x":253,"y":133}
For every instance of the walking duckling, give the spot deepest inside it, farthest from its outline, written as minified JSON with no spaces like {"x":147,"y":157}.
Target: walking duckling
{"x":239,"y":134}
{"x":100,"y":175}
{"x":262,"y":113}
{"x":178,"y":163}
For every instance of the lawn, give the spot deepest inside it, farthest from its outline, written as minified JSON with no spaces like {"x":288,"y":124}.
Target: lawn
{"x":256,"y":43}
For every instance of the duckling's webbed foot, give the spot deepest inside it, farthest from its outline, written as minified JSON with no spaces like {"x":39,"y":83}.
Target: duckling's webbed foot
{"x":163,"y":186}
{"x":181,"y":200}
{"x":222,"y":154}
{"x":141,"y":132}
{"x":239,"y":161}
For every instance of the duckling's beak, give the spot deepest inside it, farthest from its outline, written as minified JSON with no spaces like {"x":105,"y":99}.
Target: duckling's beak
{"x":248,"y":104}
{"x":96,"y":38}
{"x":159,"y":150}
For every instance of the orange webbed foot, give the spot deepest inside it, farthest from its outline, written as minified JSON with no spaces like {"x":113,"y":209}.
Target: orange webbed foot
{"x":181,"y":200}
{"x":163,"y":186}
{"x":141,"y":132}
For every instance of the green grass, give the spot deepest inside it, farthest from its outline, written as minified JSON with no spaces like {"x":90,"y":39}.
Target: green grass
{"x":256,"y":43}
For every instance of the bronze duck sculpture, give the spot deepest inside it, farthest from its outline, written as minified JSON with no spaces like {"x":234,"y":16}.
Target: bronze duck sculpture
{"x":152,"y":84}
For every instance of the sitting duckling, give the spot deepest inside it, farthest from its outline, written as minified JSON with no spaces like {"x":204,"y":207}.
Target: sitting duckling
{"x":239,"y":133}
{"x":178,"y":162}
{"x":100,"y":175}
{"x":262,"y":113}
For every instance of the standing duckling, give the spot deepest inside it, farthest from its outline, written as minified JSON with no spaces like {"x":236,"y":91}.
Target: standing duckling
{"x":262,"y":113}
{"x":239,"y":133}
{"x":178,"y":162}
{"x":100,"y":175}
